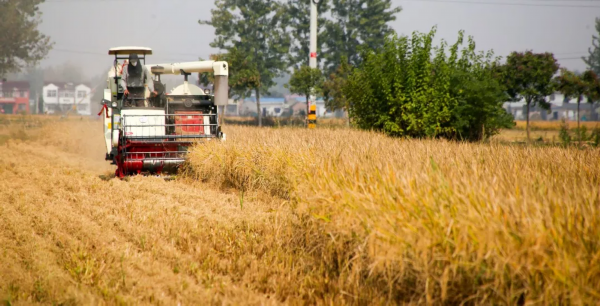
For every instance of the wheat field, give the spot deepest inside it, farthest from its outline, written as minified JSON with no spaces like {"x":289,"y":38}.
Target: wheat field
{"x":290,"y":216}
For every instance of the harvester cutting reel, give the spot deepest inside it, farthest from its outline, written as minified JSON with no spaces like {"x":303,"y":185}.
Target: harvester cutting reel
{"x":151,"y":134}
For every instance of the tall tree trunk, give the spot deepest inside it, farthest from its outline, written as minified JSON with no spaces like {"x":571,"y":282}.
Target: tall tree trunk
{"x":257,"y":91}
{"x":578,"y":129}
{"x":527,"y":127}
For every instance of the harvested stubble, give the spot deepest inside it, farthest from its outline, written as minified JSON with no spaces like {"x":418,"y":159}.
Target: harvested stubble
{"x":423,"y":221}
{"x":67,"y":236}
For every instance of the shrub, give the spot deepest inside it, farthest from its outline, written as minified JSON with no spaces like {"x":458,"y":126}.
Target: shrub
{"x":563,"y":134}
{"x":410,"y":88}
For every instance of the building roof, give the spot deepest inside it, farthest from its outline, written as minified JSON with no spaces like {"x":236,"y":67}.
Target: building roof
{"x":65,"y":85}
{"x":14,"y":84}
{"x":303,"y":99}
{"x":266,"y":100}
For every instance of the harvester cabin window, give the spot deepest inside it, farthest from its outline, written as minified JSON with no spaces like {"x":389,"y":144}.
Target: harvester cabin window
{"x":51,"y":93}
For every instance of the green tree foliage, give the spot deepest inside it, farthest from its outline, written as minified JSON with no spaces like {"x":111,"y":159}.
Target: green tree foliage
{"x":256,"y":28}
{"x":528,"y":76}
{"x":593,"y":60}
{"x":333,"y":92}
{"x":356,"y":23}
{"x":593,"y":93}
{"x":299,"y":20}
{"x":411,"y":88}
{"x":21,"y":44}
{"x":243,"y":74}
{"x":577,"y":87}
{"x":305,"y":80}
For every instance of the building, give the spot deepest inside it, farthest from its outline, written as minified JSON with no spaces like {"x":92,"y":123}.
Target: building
{"x":272,"y":107}
{"x":322,"y":111}
{"x":292,"y":105}
{"x":14,"y":97}
{"x":61,"y":97}
{"x":560,"y":108}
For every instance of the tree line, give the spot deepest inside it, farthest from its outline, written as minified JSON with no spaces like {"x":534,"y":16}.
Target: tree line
{"x":400,"y":85}
{"x":262,"y":39}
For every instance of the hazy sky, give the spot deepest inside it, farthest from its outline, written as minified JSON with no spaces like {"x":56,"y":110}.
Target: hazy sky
{"x":84,"y":30}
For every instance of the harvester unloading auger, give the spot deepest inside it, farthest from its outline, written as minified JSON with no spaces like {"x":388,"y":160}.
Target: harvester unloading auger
{"x":154,"y":138}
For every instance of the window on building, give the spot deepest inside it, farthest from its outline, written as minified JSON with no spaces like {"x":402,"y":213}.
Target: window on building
{"x":66,"y":94}
{"x":22,"y":107}
{"x":24,"y":94}
{"x":51,"y":93}
{"x":277,"y":110}
{"x":81,"y":93}
{"x":552,"y":97}
{"x":15,"y":94}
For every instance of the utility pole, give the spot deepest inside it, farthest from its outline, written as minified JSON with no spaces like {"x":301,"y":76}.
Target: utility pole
{"x":312,"y":101}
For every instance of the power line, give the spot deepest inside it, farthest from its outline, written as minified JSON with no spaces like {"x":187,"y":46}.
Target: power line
{"x":508,"y":4}
{"x":569,"y":58}
{"x":571,"y":5}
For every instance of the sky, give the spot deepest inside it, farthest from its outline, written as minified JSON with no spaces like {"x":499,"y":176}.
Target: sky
{"x":84,"y":30}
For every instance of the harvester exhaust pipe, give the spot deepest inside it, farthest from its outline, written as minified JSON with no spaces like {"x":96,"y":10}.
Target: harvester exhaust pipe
{"x":221,"y":85}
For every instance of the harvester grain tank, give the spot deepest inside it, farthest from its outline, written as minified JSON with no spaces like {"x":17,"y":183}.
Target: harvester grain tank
{"x":151,"y":133}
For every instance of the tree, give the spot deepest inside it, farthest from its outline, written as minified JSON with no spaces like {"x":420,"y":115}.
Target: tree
{"x":333,"y":92}
{"x":299,"y":19}
{"x":305,"y":80}
{"x":410,"y":88}
{"x":356,"y":23}
{"x":593,"y":93}
{"x":242,"y":73}
{"x":529,"y":76}
{"x":40,"y":109}
{"x":593,"y":60}
{"x":256,"y":28}
{"x":21,"y":44}
{"x":576,"y":86}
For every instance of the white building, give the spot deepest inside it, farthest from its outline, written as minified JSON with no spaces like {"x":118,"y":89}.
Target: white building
{"x":560,"y":108}
{"x":61,"y":97}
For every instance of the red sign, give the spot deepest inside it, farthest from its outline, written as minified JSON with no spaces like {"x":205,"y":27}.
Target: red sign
{"x":313,"y":54}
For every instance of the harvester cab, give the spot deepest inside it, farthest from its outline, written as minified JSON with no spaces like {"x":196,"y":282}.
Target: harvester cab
{"x":151,"y":134}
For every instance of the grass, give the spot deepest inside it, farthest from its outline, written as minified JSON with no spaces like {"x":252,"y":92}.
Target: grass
{"x":290,"y":216}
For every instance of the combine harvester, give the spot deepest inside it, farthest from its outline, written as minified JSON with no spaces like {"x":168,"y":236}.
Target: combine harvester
{"x":154,"y":138}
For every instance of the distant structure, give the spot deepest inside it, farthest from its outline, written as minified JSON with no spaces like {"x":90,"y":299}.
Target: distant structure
{"x":63,"y":97}
{"x":560,"y":108}
{"x":14,"y":97}
{"x":291,"y":105}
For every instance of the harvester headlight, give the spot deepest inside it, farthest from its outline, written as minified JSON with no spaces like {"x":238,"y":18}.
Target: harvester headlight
{"x":114,"y":104}
{"x":207,"y":91}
